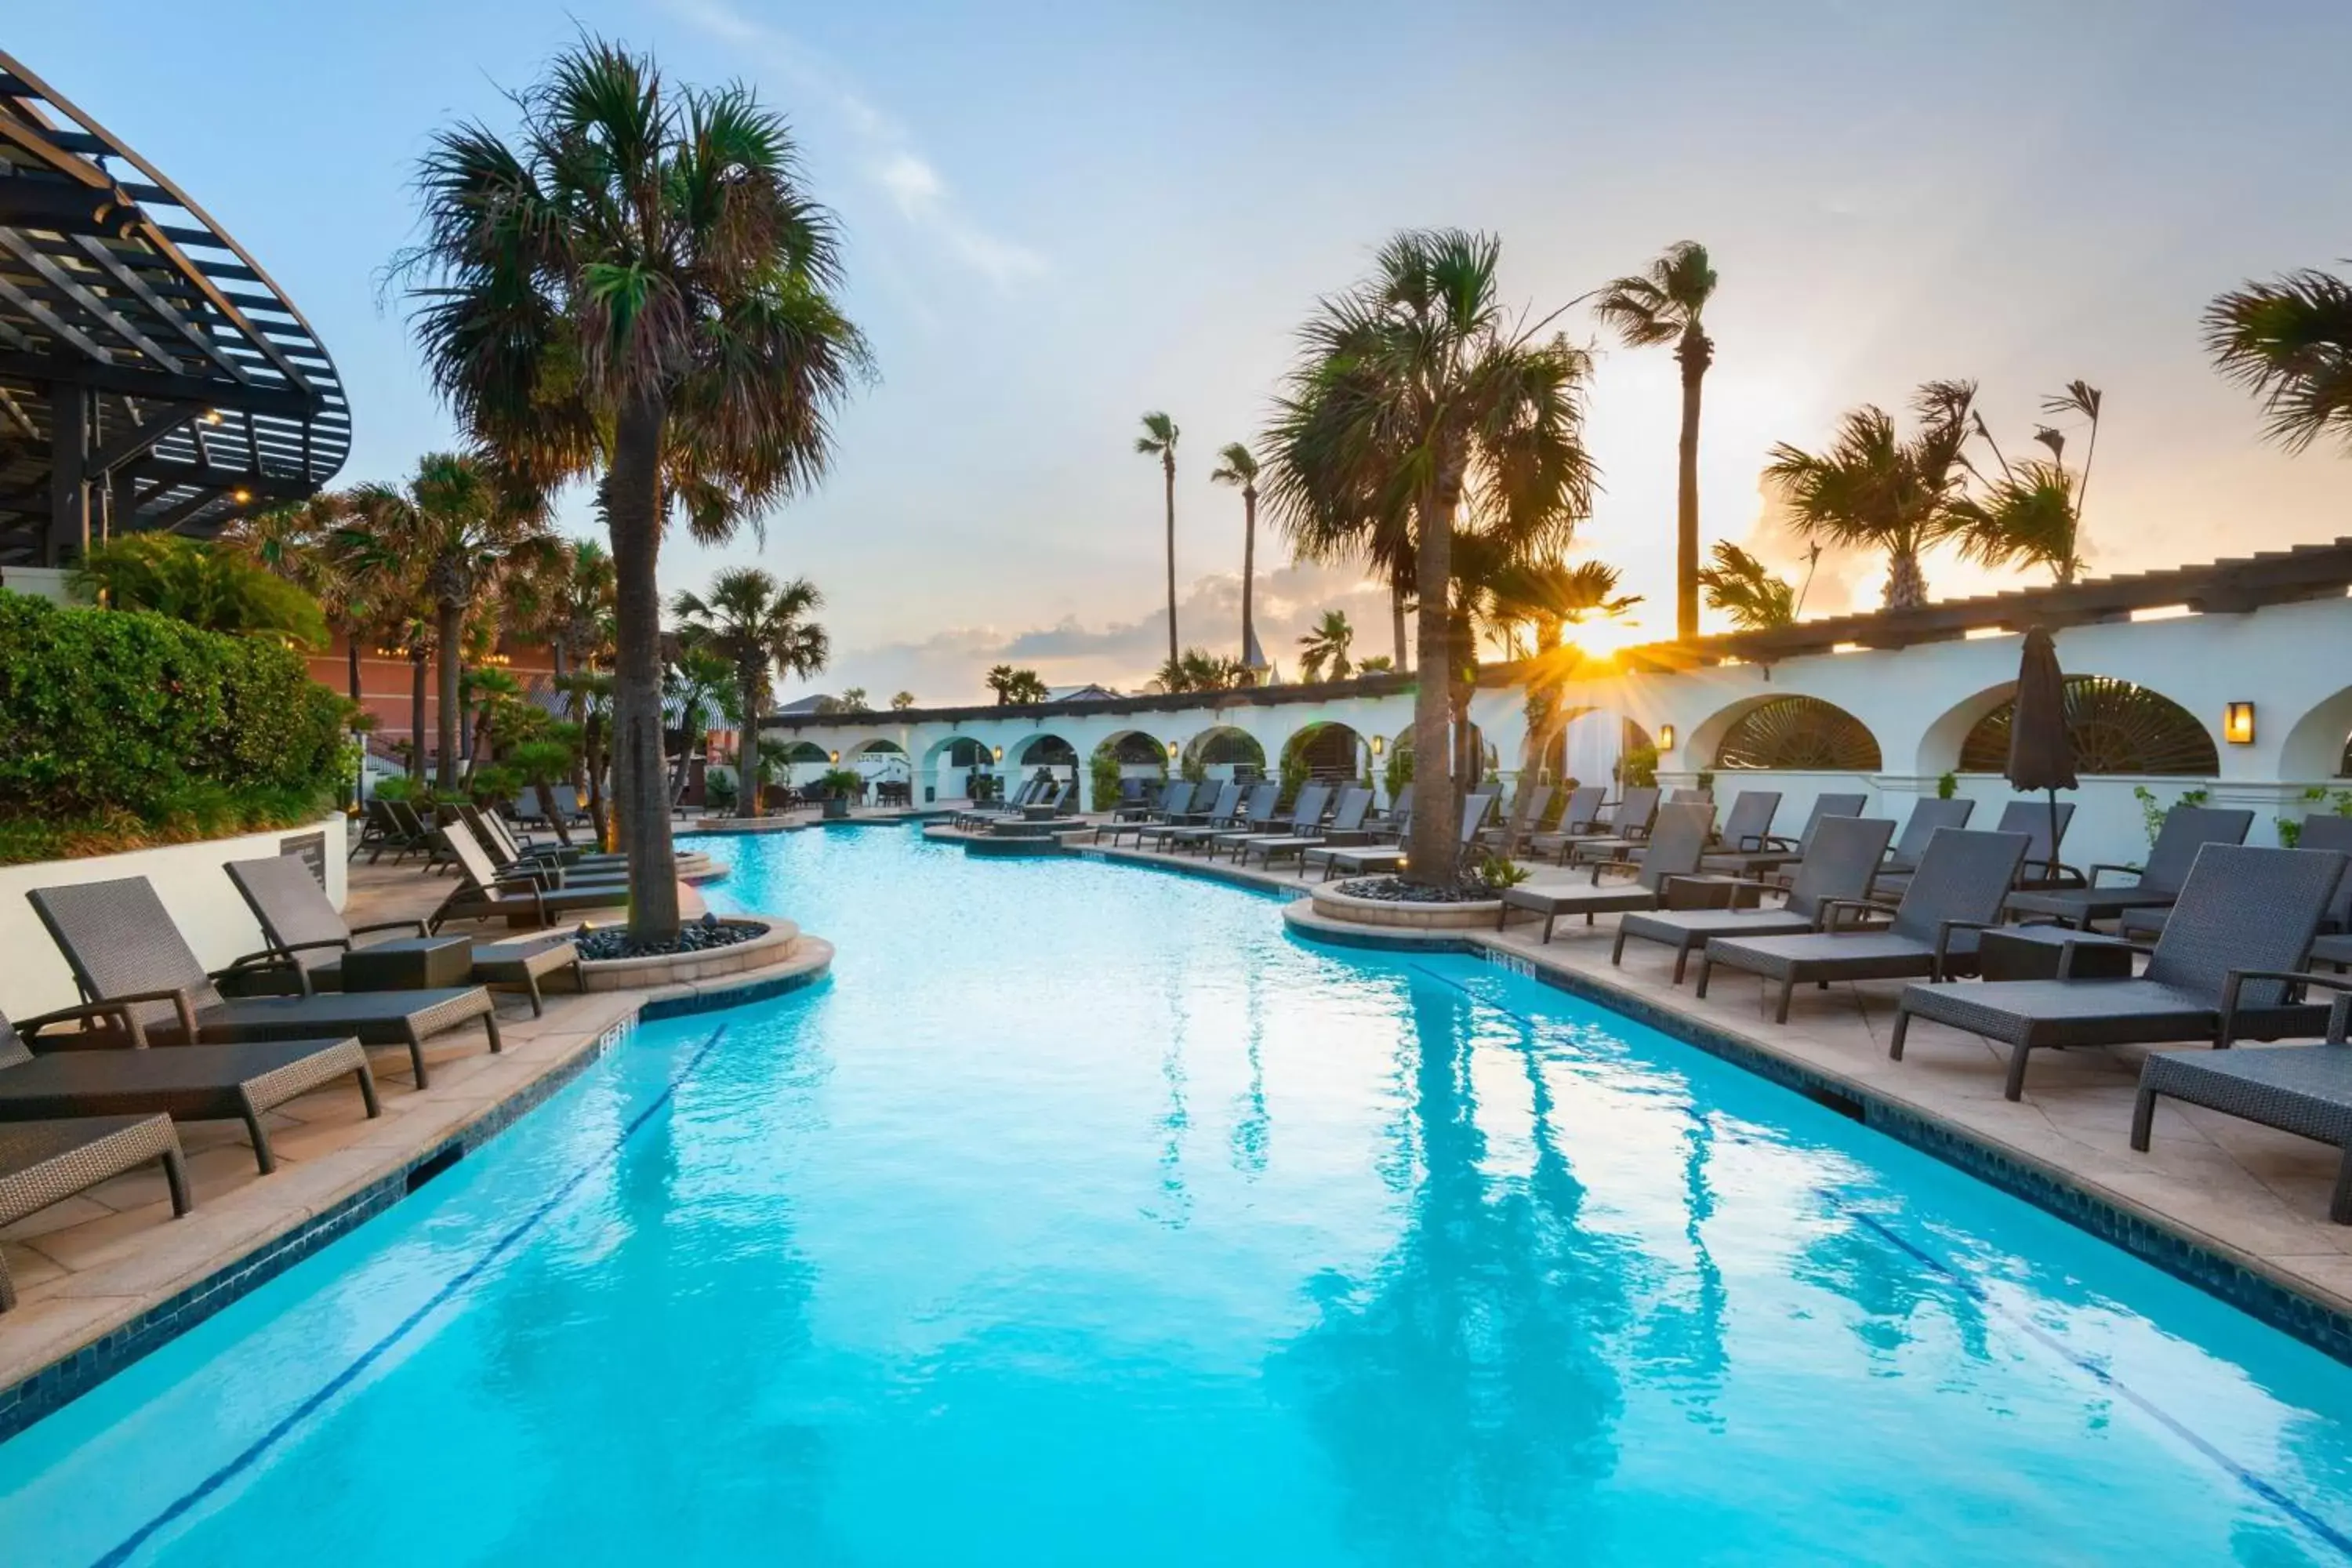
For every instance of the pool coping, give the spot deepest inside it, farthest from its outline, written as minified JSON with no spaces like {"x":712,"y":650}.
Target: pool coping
{"x":65,"y":1377}
{"x":2238,"y":1278}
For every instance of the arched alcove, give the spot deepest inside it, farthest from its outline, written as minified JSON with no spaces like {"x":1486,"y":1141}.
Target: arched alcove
{"x":2117,"y":728}
{"x":1798,"y":733}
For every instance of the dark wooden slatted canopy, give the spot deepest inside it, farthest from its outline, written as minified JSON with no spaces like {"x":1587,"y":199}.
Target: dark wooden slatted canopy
{"x":152,"y":376}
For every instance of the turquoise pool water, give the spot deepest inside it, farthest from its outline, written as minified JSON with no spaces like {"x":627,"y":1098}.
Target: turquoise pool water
{"x":1083,"y":1217}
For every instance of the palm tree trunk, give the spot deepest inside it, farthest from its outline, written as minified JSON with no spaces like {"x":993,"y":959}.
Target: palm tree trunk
{"x":1249,"y":568}
{"x":1694,"y":353}
{"x":1543,"y":708}
{"x":747,"y":746}
{"x":1168,"y":467}
{"x":351,"y":652}
{"x":416,"y":714}
{"x":448,"y":626}
{"x":1396,"y":621}
{"x":1430,"y":854}
{"x":634,"y":513}
{"x":1907,"y":585}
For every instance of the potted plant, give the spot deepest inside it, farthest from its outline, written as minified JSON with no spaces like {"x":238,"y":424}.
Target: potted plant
{"x":838,"y":784}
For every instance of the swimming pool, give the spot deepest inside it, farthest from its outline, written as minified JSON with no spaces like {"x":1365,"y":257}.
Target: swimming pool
{"x":1085,"y":1217}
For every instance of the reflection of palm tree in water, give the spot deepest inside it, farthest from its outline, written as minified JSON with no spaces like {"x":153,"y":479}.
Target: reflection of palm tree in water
{"x":1175,"y":1210}
{"x":1252,"y":1127}
{"x":1851,"y":1259}
{"x":1682,"y":1335}
{"x":1468,"y":1390}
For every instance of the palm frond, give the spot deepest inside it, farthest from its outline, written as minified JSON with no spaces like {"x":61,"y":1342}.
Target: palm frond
{"x":2289,"y":343}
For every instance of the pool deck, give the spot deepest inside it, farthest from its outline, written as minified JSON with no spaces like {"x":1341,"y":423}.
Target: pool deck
{"x":104,"y":1277}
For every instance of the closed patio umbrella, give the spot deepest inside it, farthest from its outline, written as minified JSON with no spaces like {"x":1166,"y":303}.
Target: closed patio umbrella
{"x":2040,"y":751}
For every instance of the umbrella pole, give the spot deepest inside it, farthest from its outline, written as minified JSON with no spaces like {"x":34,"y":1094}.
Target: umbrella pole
{"x":2051,"y":871}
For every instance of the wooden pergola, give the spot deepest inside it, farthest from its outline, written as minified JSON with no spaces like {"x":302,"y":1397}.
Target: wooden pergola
{"x":152,"y":376}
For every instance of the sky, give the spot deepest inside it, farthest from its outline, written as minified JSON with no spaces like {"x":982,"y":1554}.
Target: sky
{"x":1060,"y":215}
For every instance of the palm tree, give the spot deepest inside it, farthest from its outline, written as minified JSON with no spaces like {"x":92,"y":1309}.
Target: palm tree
{"x":2289,"y":343}
{"x":901,"y":702}
{"x":760,"y":625}
{"x":2031,"y":514}
{"x":1872,"y":490}
{"x":1159,"y":440}
{"x":1324,"y":649}
{"x":1418,"y":396}
{"x":1665,"y":305}
{"x":300,"y":541}
{"x":1740,"y":585}
{"x":1237,"y":466}
{"x":1026,"y":685}
{"x":696,"y":681}
{"x":1548,"y":595}
{"x":1000,"y":682}
{"x":466,"y":529}
{"x":639,"y":284}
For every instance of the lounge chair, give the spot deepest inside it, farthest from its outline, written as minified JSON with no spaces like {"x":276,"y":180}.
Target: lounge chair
{"x":1172,"y":804}
{"x":1628,"y":821}
{"x":2041,"y":869}
{"x":1577,"y":816}
{"x":1538,"y":802}
{"x":1778,"y":851}
{"x":1221,"y":815}
{"x":546,"y":872}
{"x":988,"y":811}
{"x":1963,"y":877}
{"x":378,"y":832}
{"x":1305,"y":813}
{"x":1346,"y":826}
{"x":1837,"y":866}
{"x":1134,"y":799}
{"x":483,"y":893}
{"x":1927,"y":815}
{"x":1751,"y":816}
{"x":298,"y":922}
{"x":2242,"y":922}
{"x":109,"y":1071}
{"x":1675,"y":846}
{"x":2187,"y":830}
{"x":120,"y":944}
{"x":42,"y":1162}
{"x":1389,"y":857}
{"x":2303,"y":1090}
{"x":2332,"y":946}
{"x":1256,"y":815}
{"x":411,"y":835}
{"x":1392,"y":824}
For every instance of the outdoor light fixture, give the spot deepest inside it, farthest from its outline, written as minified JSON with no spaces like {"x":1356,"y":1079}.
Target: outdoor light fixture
{"x":1380,"y":745}
{"x":1171,"y":751}
{"x":1666,"y":737}
{"x":835,"y":756}
{"x":2238,"y":724}
{"x":998,"y":753}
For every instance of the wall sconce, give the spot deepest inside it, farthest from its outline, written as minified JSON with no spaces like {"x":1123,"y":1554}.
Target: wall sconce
{"x":1666,"y":737}
{"x":998,"y":753}
{"x":1380,"y":745}
{"x":835,"y":757}
{"x":1172,"y":748}
{"x":2238,"y":723}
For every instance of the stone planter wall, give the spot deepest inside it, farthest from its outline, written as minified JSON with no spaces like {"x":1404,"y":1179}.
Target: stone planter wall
{"x":1332,"y":904}
{"x":670,"y":969}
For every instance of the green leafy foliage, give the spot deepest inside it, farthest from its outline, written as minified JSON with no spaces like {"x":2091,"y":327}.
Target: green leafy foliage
{"x":176,"y":576}
{"x":2152,"y":810}
{"x":2290,"y":831}
{"x":119,"y":728}
{"x":1948,"y":784}
{"x":1102,"y":770}
{"x":1638,"y":768}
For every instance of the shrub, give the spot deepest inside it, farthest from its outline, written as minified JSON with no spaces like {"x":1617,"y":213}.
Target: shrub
{"x":1102,"y":769}
{"x":1638,"y":768}
{"x":176,"y":576}
{"x":122,"y":728}
{"x":1948,"y":784}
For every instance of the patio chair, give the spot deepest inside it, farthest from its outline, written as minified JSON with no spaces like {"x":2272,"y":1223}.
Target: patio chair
{"x":1364,"y":858}
{"x":109,"y":1071}
{"x":1748,"y":827}
{"x":1578,"y":815}
{"x":1963,"y":877}
{"x":120,"y":944}
{"x":1221,"y":815}
{"x":484,"y":892}
{"x":1173,"y":801}
{"x":300,"y":922}
{"x":42,"y":1162}
{"x":2303,"y":1090}
{"x":1256,"y":816}
{"x":1346,"y":826}
{"x":1628,"y":821}
{"x":985,"y":811}
{"x":2187,"y":830}
{"x":546,"y":871}
{"x":2223,"y":970}
{"x":1393,"y":823}
{"x":1927,"y":813}
{"x":1837,"y":866}
{"x":1305,"y":813}
{"x":1778,"y":851}
{"x":2041,"y":869}
{"x":1672,"y":851}
{"x":2332,"y":946}
{"x":1538,"y":802}
{"x":404,"y":833}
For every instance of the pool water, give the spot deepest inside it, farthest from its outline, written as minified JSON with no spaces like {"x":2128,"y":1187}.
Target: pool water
{"x":1085,"y":1217}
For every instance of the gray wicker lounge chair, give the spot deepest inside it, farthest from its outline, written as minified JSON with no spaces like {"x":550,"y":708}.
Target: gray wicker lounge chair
{"x":1256,"y":814}
{"x":1346,"y":826}
{"x":1962,"y":880}
{"x":988,"y":811}
{"x":1577,"y":815}
{"x":1392,"y":824}
{"x":120,"y":944}
{"x":2303,"y":1090}
{"x":1305,"y":813}
{"x":2245,"y":918}
{"x":1220,"y":814}
{"x":485,"y":893}
{"x":1675,"y":842}
{"x":545,"y":872}
{"x":1172,"y":804}
{"x":109,"y":1071}
{"x":1364,"y":858}
{"x":1747,"y":827}
{"x":1778,"y":851}
{"x":1927,"y":815}
{"x":1627,"y":821}
{"x":2041,"y":869}
{"x":298,"y":920}
{"x":1837,"y":866}
{"x":42,"y":1162}
{"x":1538,"y":802}
{"x":2187,"y":829}
{"x":2321,"y":830}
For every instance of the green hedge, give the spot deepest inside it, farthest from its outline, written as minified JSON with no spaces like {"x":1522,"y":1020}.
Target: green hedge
{"x":119,"y":728}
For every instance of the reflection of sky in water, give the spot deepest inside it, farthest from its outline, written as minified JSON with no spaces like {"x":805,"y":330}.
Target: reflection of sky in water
{"x":1083,"y":1217}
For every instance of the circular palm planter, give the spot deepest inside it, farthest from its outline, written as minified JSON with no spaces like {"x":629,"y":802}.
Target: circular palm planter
{"x":1396,"y":914}
{"x":773,"y":945}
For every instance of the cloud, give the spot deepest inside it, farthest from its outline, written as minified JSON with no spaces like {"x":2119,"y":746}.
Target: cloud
{"x":891,"y":156}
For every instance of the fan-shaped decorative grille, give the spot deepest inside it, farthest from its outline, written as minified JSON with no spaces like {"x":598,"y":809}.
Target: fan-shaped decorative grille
{"x":1049,"y":752}
{"x":1328,"y":751}
{"x":1226,"y":744}
{"x":2117,"y":726}
{"x":1798,"y":732}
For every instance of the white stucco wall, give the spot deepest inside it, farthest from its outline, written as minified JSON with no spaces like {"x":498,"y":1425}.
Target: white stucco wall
{"x":188,"y":877}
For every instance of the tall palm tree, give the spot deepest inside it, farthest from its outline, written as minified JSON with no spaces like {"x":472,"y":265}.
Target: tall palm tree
{"x":1418,"y":396}
{"x":760,"y":625}
{"x":1548,"y":595}
{"x":300,"y":541}
{"x":1756,"y":598}
{"x":640,"y":284}
{"x":1874,"y":490}
{"x":1236,"y":465}
{"x":695,"y":680}
{"x":2031,"y":514}
{"x":1159,"y":440}
{"x":1000,"y":682}
{"x":1324,"y":650}
{"x":466,"y":528}
{"x":2289,"y":343}
{"x":1666,"y":305}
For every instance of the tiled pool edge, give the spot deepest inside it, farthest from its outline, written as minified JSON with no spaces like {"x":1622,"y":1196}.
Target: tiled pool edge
{"x":62,"y":1381}
{"x":2259,"y":1294}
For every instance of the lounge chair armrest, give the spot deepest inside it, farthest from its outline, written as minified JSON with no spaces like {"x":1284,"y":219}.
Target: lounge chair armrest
{"x":414,"y":928}
{"x":2055,"y":870}
{"x":2069,"y":948}
{"x":2339,"y":1018}
{"x":118,"y":1009}
{"x":2339,"y":983}
{"x":343,"y":943}
{"x":181,"y":1004}
{"x":2091,"y":873}
{"x":1825,"y":918}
